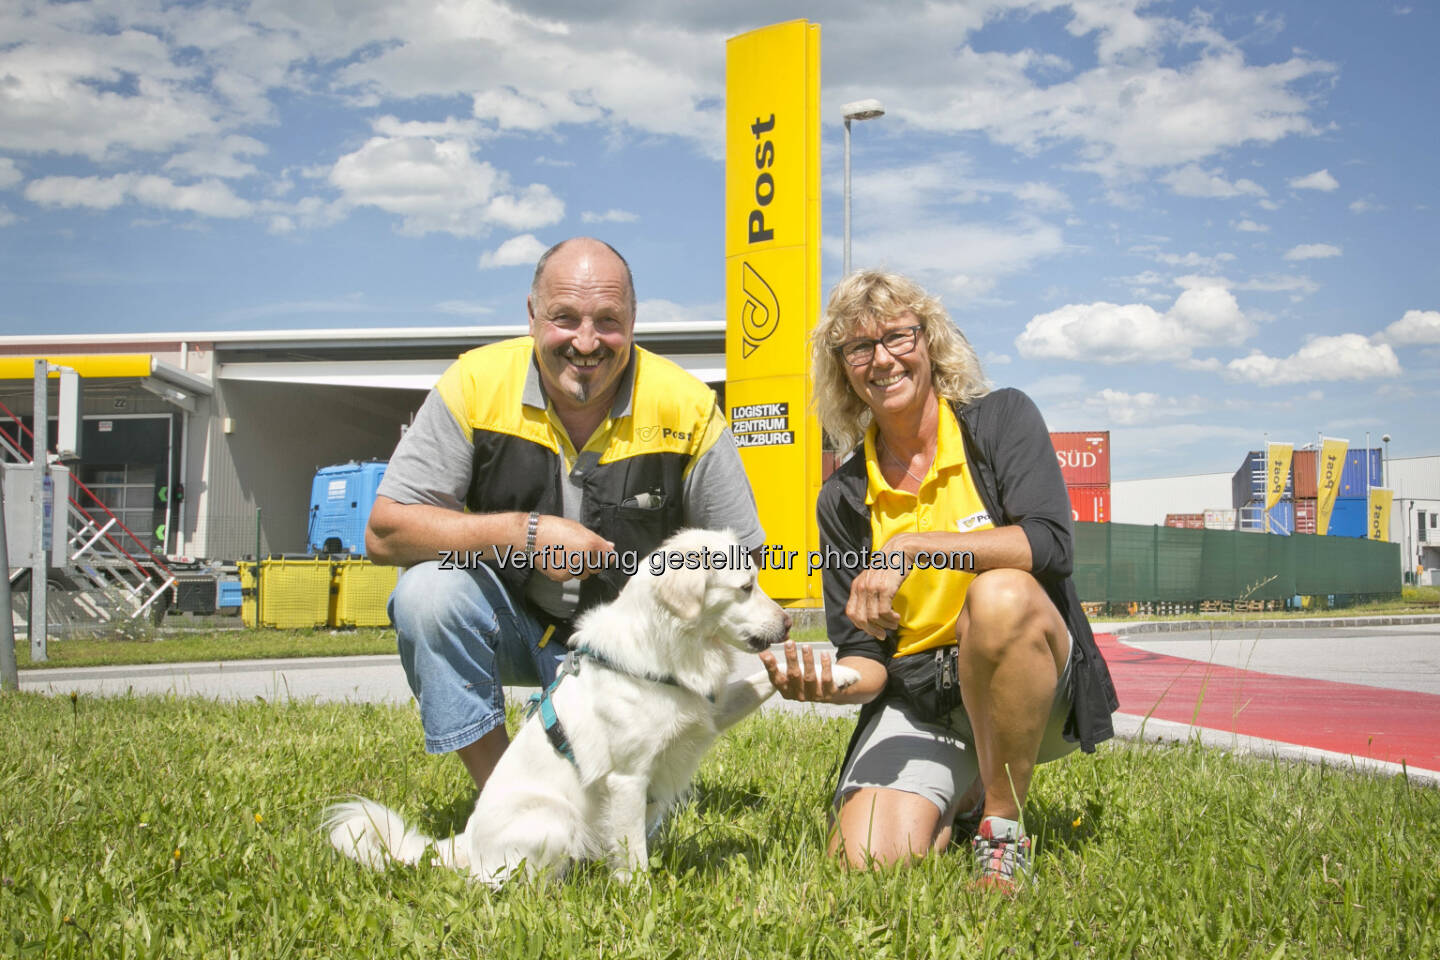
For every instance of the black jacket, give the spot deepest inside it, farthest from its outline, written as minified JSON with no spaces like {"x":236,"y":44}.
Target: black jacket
{"x":1018,"y":478}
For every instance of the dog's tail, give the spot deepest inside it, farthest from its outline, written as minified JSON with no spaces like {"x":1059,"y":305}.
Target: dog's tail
{"x":373,"y":834}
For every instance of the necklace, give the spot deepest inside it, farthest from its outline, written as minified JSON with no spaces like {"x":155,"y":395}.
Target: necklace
{"x":885,"y":447}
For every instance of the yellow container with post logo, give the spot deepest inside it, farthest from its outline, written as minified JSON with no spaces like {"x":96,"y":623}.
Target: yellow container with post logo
{"x":294,"y":593}
{"x":361,"y":593}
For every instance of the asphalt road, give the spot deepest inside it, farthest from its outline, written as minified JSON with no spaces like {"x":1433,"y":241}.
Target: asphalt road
{"x":1396,"y":658}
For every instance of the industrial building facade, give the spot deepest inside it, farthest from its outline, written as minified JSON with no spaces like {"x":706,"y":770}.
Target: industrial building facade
{"x":203,"y":444}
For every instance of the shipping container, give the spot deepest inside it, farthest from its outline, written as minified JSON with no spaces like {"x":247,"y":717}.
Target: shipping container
{"x":1226,"y":519}
{"x":1302,"y":474}
{"x":341,"y":498}
{"x":1305,"y":514}
{"x":1279,"y":519}
{"x":1360,"y":473}
{"x":1348,"y":518}
{"x":1185,"y":521}
{"x":1248,"y":484}
{"x":1084,"y":457}
{"x":1089,"y":502}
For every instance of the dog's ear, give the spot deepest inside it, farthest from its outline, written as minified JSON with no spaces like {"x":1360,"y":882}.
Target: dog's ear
{"x":682,"y":592}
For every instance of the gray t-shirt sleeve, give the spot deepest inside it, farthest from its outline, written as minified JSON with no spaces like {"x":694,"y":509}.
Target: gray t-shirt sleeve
{"x":718,"y":495}
{"x":432,"y":462}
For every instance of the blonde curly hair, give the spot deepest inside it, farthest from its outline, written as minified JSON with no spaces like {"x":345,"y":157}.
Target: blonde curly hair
{"x":875,"y":296}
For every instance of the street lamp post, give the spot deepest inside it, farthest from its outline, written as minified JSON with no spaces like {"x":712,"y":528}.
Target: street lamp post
{"x":859,"y":110}
{"x":1385,"y":463}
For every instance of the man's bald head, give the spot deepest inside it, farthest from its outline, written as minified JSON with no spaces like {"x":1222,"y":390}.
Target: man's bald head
{"x":545,"y":257}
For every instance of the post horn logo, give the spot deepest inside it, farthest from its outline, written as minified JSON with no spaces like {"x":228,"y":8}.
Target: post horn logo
{"x":759,"y":313}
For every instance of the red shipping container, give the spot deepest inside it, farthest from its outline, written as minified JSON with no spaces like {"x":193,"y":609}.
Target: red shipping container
{"x":1306,"y":513}
{"x":1084,"y":457}
{"x":1185,"y":521}
{"x":1090,"y":502}
{"x":1302,"y":469}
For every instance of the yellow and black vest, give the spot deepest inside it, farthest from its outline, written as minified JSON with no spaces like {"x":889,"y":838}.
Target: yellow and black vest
{"x":632,"y":470}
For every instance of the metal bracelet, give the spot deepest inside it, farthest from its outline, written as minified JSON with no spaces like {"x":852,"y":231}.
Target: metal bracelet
{"x":532,"y":528}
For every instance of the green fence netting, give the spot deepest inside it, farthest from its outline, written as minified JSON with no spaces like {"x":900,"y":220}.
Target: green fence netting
{"x":1122,"y":562}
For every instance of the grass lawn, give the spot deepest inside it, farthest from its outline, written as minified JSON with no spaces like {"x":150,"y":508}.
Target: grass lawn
{"x":177,"y":827}
{"x":185,"y":646}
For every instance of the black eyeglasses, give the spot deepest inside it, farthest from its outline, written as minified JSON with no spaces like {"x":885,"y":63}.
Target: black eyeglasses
{"x":897,"y":343}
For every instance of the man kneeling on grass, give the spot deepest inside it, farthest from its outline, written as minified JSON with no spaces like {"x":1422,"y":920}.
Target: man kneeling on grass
{"x":969,"y":676}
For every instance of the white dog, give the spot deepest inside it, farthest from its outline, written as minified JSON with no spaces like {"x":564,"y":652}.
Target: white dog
{"x":640,"y":701}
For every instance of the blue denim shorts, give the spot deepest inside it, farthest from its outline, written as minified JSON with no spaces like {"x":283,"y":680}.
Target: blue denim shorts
{"x":461,"y":637}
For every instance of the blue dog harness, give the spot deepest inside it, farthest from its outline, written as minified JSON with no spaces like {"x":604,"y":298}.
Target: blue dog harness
{"x":542,"y":700}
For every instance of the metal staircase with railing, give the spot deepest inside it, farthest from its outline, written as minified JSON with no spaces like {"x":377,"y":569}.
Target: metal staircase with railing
{"x":110,"y":579}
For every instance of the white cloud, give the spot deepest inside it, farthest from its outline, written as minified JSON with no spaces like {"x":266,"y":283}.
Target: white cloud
{"x":520,"y":251}
{"x":439,"y":186}
{"x":965,"y":259}
{"x":447,"y":129}
{"x":1313,"y":251}
{"x":658,"y":310}
{"x":1193,"y":259}
{"x":219,"y":158}
{"x":1364,"y":206}
{"x":209,"y":198}
{"x":464,"y":308}
{"x":6,"y":217}
{"x":96,"y":94}
{"x":1348,"y":356}
{"x":1042,"y":196}
{"x":1129,"y":409}
{"x":9,"y":173}
{"x":1124,"y":115}
{"x":1203,"y":315}
{"x":1319,"y":180}
{"x":1193,"y":181}
{"x":609,"y":216}
{"x":1250,"y":226}
{"x":1280,"y":283}
{"x":1416,"y":327}
{"x":98,"y":193}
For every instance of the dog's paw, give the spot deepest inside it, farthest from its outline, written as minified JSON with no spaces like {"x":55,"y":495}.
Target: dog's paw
{"x":844,"y":676}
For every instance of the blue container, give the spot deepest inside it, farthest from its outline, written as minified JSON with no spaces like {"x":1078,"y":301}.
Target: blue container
{"x":1355,"y":481}
{"x":1278,"y":519}
{"x":1348,"y":517}
{"x":1247,"y":487}
{"x":340,"y":500}
{"x":229,"y":594}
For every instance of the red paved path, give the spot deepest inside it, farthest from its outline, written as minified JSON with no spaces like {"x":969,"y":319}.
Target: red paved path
{"x":1348,"y":718}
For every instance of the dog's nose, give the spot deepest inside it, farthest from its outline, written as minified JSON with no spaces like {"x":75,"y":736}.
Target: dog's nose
{"x":788,"y":622}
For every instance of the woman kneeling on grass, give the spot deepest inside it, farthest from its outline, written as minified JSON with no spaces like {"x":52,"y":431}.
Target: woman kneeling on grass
{"x":969,"y":676}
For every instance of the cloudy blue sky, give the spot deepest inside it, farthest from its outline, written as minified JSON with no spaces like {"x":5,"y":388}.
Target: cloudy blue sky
{"x":1191,"y":224}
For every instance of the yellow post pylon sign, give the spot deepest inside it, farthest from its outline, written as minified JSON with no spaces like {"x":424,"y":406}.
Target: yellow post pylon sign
{"x":772,"y":281}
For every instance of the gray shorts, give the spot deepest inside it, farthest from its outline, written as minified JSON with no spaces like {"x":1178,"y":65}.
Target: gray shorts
{"x":936,"y":760}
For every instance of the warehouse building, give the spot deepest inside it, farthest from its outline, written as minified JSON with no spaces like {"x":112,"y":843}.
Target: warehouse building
{"x":202,"y":442}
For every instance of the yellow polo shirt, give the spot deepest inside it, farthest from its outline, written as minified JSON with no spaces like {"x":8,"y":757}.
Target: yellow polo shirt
{"x":929,"y":600}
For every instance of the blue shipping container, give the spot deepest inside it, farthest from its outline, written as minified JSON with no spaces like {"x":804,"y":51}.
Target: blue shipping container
{"x":1348,"y":517}
{"x":1278,"y":519}
{"x":1355,"y":481}
{"x":340,"y":501}
{"x":1248,"y":484}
